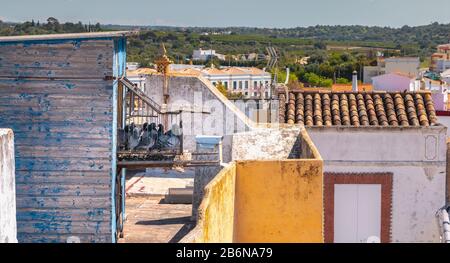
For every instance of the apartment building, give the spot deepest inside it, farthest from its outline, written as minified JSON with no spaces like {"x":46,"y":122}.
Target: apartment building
{"x":404,"y":65}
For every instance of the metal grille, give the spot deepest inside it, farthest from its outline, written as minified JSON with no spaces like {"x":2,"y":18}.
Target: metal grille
{"x":136,"y":108}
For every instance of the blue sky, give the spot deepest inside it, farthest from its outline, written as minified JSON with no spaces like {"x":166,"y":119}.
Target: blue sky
{"x":253,"y":13}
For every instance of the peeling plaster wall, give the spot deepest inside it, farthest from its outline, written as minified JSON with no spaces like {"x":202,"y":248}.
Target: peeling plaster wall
{"x":217,"y":209}
{"x":262,"y":201}
{"x":415,"y":156}
{"x":8,"y":225}
{"x":267,"y":144}
{"x":279,"y":201}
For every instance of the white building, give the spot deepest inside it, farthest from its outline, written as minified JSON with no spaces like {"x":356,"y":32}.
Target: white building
{"x":405,"y":65}
{"x":445,"y":76}
{"x":440,"y":61}
{"x":133,"y":65}
{"x":384,"y":162}
{"x":138,"y":76}
{"x":442,"y":65}
{"x":205,"y":54}
{"x":249,"y":81}
{"x":395,"y":82}
{"x":178,"y":67}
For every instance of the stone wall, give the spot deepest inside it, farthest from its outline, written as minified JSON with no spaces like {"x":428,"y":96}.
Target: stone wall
{"x":8,"y":225}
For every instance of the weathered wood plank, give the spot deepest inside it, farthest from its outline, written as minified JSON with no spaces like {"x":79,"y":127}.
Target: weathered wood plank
{"x":58,"y":126}
{"x":74,"y":129}
{"x":75,"y":87}
{"x":55,"y":73}
{"x":52,"y":58}
{"x":55,"y":64}
{"x":20,"y":116}
{"x":66,"y":142}
{"x":63,"y":137}
{"x":66,"y":202}
{"x":60,"y":52}
{"x":62,"y":238}
{"x":46,"y":108}
{"x":55,"y":97}
{"x":63,"y":45}
{"x":62,"y":154}
{"x":58,"y":190}
{"x":63,"y":227}
{"x":54,"y":164}
{"x":57,"y":103}
{"x":66,"y":215}
{"x":58,"y":83}
{"x":60,"y":177}
{"x":51,"y":111}
{"x":59,"y":135}
{"x":81,"y":72}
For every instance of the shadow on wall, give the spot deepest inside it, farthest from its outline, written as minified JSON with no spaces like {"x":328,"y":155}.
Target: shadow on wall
{"x":265,"y":200}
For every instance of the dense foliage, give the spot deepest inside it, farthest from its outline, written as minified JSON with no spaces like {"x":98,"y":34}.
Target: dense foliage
{"x":51,"y":26}
{"x":334,"y":51}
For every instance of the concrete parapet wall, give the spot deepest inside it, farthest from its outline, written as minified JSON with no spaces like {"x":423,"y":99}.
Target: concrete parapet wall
{"x":274,"y":144}
{"x":216,"y":212}
{"x":273,"y":192}
{"x":8,"y":225}
{"x":279,"y":201}
{"x":263,"y":201}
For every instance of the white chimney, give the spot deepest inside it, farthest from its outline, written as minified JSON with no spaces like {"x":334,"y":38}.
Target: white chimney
{"x":355,"y":81}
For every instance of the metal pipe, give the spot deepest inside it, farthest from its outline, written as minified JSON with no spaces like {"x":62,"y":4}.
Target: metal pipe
{"x":148,"y":164}
{"x":444,"y":223}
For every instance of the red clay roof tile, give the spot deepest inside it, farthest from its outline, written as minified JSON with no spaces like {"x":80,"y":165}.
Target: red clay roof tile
{"x":357,"y":108}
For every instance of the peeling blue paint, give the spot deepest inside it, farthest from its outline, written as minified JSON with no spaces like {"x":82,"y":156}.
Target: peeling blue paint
{"x":70,"y":85}
{"x":35,"y":124}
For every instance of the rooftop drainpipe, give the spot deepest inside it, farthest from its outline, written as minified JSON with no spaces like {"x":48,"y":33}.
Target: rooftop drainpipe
{"x":444,"y":224}
{"x":355,"y":81}
{"x":287,"y":76}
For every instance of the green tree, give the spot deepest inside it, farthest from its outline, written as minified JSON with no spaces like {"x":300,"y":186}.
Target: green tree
{"x":53,"y":24}
{"x":221,"y":88}
{"x":320,"y":45}
{"x":235,"y":96}
{"x":342,"y":81}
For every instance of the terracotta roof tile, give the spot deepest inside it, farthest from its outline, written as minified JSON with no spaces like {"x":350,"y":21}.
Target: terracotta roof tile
{"x":371,"y":110}
{"x":300,"y":106}
{"x":326,"y":109}
{"x":308,"y":110}
{"x":335,"y":110}
{"x":357,"y":108}
{"x":421,"y":112}
{"x":362,"y":110}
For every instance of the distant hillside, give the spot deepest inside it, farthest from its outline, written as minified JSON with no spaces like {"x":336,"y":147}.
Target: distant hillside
{"x":334,"y":51}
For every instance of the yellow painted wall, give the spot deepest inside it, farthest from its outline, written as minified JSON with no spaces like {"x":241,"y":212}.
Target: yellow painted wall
{"x":263,"y":201}
{"x":216,"y":212}
{"x":279,"y":201}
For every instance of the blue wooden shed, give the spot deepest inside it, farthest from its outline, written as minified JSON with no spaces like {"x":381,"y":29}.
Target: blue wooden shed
{"x":59,"y":95}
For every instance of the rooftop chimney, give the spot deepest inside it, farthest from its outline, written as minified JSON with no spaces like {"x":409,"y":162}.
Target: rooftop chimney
{"x":355,"y":81}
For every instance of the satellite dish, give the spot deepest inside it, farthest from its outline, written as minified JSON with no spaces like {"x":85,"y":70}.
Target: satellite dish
{"x":373,"y":239}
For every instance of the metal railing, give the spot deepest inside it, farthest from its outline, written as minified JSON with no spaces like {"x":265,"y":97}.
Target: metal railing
{"x":139,"y":108}
{"x":135,"y":107}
